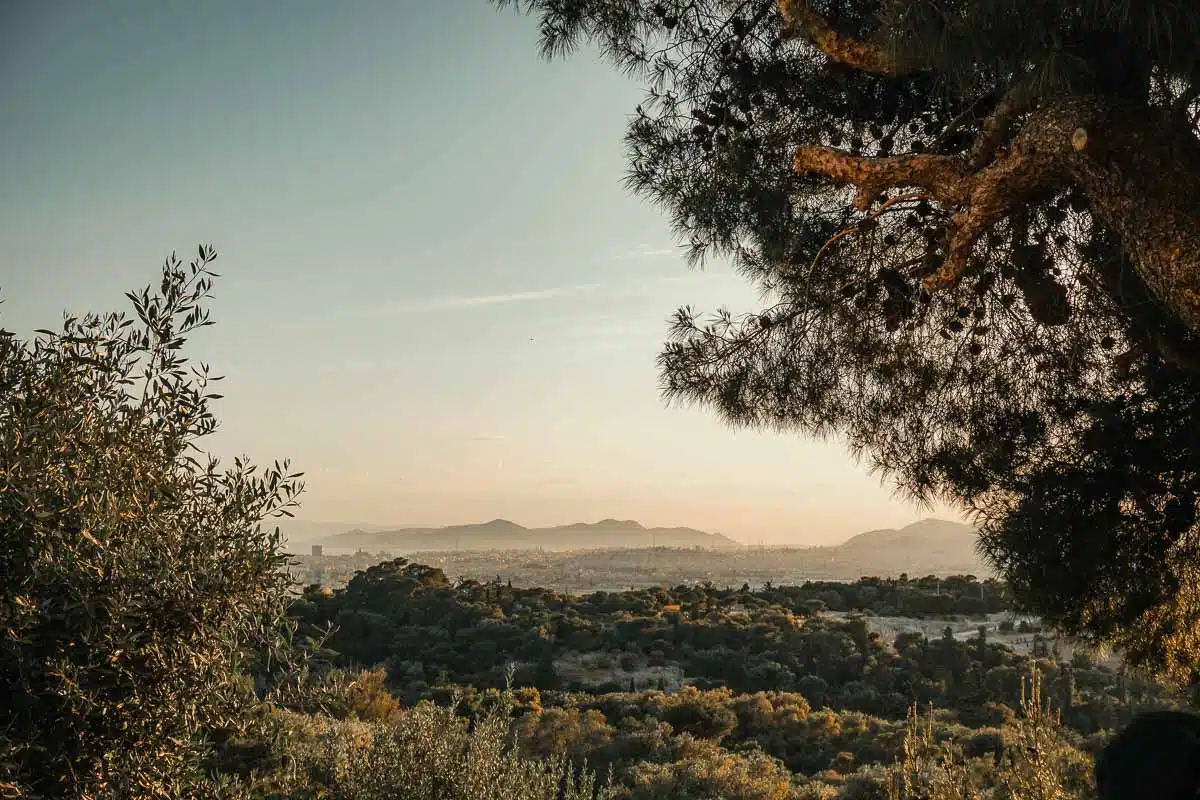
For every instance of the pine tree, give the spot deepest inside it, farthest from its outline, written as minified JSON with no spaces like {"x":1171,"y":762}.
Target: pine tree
{"x":977,"y":227}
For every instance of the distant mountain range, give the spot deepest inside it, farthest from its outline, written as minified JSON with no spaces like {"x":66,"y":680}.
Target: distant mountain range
{"x":303,"y":531}
{"x":930,"y":545}
{"x":501,"y":534}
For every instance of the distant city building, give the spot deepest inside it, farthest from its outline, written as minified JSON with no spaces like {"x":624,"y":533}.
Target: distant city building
{"x":317,"y":550}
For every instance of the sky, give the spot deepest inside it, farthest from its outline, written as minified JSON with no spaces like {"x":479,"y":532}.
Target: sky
{"x":436,"y":296}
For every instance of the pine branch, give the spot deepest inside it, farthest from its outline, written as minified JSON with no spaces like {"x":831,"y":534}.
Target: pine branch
{"x":1008,"y":182}
{"x":800,"y":20}
{"x":982,"y":197}
{"x":1134,"y":168}
{"x":940,"y":176}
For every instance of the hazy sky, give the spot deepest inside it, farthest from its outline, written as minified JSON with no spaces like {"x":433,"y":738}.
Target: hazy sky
{"x":436,"y":296}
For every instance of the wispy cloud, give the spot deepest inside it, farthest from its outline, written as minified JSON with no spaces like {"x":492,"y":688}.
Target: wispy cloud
{"x":647,"y":251}
{"x":463,"y":302}
{"x":489,"y":438}
{"x":664,"y":280}
{"x":466,"y":302}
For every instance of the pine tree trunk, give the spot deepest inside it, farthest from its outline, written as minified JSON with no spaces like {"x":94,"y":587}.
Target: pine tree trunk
{"x":1141,"y":174}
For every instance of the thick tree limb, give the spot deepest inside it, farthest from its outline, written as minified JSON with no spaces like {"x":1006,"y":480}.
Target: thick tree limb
{"x":940,"y":176}
{"x":800,"y":20}
{"x":985,"y":196}
{"x":1137,"y":171}
{"x":994,"y":192}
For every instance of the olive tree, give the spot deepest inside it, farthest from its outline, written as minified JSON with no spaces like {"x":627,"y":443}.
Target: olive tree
{"x":138,"y":580}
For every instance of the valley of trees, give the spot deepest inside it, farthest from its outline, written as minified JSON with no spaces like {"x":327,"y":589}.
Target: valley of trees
{"x":977,"y":227}
{"x":692,"y":691}
{"x":699,"y":692}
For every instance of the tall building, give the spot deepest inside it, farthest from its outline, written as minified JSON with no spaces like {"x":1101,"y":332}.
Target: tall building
{"x":317,"y":550}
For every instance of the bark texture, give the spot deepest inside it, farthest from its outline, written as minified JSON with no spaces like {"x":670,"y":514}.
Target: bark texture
{"x":801,"y":20}
{"x":1141,"y":173}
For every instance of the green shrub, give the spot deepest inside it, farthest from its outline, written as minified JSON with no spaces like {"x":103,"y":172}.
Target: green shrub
{"x":137,"y":579}
{"x":712,"y":773}
{"x":1038,"y":761}
{"x":427,"y":752}
{"x":369,"y":700}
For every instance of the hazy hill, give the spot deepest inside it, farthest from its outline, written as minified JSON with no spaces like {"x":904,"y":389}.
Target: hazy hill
{"x":501,"y":534}
{"x":304,"y":531}
{"x":931,"y":545}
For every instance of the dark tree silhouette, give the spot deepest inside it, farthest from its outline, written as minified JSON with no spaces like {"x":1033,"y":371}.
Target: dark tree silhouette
{"x":976,"y":224}
{"x":1156,"y":755}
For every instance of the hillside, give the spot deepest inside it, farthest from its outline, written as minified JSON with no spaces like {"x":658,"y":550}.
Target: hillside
{"x":501,"y":534}
{"x":928,"y":546}
{"x":303,"y":531}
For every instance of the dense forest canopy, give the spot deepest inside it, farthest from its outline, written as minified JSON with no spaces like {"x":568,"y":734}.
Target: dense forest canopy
{"x":976,"y":228}
{"x":693,"y":691}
